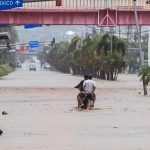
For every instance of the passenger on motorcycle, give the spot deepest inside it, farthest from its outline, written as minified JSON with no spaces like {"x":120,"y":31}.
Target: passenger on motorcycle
{"x":89,"y":87}
{"x":81,"y":94}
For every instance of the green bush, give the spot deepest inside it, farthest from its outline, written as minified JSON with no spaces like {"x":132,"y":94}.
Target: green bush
{"x":5,"y":70}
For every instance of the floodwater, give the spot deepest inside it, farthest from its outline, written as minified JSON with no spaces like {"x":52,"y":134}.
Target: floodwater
{"x":43,"y":115}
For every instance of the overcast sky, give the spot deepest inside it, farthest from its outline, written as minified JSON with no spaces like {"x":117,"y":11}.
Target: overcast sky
{"x":47,"y":33}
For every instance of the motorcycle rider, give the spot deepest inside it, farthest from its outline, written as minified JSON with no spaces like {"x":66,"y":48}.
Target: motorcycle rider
{"x":89,"y":87}
{"x":81,"y":94}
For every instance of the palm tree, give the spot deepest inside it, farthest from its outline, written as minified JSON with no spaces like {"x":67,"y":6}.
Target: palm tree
{"x":145,"y":77}
{"x":111,"y":62}
{"x":90,"y":55}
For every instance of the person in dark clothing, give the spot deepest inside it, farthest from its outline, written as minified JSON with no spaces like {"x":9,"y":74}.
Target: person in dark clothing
{"x":81,"y":94}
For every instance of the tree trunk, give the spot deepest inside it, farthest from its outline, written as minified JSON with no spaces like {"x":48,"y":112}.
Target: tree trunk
{"x":144,"y":87}
{"x":102,"y":75}
{"x":73,"y":70}
{"x":107,"y":76}
{"x":111,"y":75}
{"x":116,"y":75}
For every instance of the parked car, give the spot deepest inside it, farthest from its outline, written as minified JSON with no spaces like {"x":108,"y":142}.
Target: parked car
{"x":32,"y":66}
{"x":47,"y":66}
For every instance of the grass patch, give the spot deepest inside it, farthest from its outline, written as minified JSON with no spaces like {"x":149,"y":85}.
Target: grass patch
{"x":5,"y":70}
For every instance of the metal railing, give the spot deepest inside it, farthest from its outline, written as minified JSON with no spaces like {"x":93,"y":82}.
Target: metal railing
{"x":87,"y":4}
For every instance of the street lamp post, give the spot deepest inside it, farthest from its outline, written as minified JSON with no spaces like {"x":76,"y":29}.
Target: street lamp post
{"x":138,"y":33}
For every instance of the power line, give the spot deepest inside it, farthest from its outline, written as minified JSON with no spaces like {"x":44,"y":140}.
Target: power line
{"x":98,"y":29}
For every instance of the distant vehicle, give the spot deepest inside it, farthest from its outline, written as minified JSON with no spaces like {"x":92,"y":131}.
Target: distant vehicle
{"x":32,"y":66}
{"x":37,"y":61}
{"x":47,"y":66}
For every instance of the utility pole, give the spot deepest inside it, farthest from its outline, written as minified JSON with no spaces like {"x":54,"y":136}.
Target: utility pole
{"x":111,"y":39}
{"x":138,"y":33}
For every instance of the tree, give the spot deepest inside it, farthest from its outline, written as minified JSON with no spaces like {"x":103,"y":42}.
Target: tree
{"x":145,"y":77}
{"x":13,"y":38}
{"x":113,"y":64}
{"x":112,"y":61}
{"x":90,"y":55}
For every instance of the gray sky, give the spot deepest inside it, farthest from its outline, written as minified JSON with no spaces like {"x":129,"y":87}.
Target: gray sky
{"x":47,"y":33}
{"x":59,"y":32}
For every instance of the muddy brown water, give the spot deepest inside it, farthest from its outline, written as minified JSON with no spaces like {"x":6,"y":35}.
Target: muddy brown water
{"x":42,"y":113}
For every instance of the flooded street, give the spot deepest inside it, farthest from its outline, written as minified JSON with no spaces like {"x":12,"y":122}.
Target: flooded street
{"x":42,"y":113}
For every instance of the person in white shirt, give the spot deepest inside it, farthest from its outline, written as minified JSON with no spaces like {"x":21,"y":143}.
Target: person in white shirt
{"x":89,"y":87}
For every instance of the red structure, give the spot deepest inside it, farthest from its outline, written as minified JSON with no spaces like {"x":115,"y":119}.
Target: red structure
{"x":78,"y":12}
{"x":102,"y":17}
{"x":22,"y":49}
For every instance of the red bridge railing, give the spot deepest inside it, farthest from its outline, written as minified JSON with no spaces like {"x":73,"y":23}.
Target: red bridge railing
{"x":87,"y":4}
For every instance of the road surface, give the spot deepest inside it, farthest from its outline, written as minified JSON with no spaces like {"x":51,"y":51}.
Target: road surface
{"x":42,"y":113}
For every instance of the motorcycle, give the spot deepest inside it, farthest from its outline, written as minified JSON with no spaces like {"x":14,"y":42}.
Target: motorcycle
{"x":88,"y":101}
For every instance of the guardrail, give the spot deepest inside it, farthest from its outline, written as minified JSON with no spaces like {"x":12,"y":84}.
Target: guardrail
{"x":87,"y":4}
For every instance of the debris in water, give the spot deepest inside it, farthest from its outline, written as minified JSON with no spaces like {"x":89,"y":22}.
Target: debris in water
{"x":1,"y":132}
{"x":4,"y":113}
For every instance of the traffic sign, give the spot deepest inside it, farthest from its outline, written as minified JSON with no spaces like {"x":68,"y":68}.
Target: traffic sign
{"x":8,"y":4}
{"x":4,"y":25}
{"x":33,"y":44}
{"x":27,"y":26}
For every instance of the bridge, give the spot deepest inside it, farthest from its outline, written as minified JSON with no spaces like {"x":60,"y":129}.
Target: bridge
{"x":78,"y":12}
